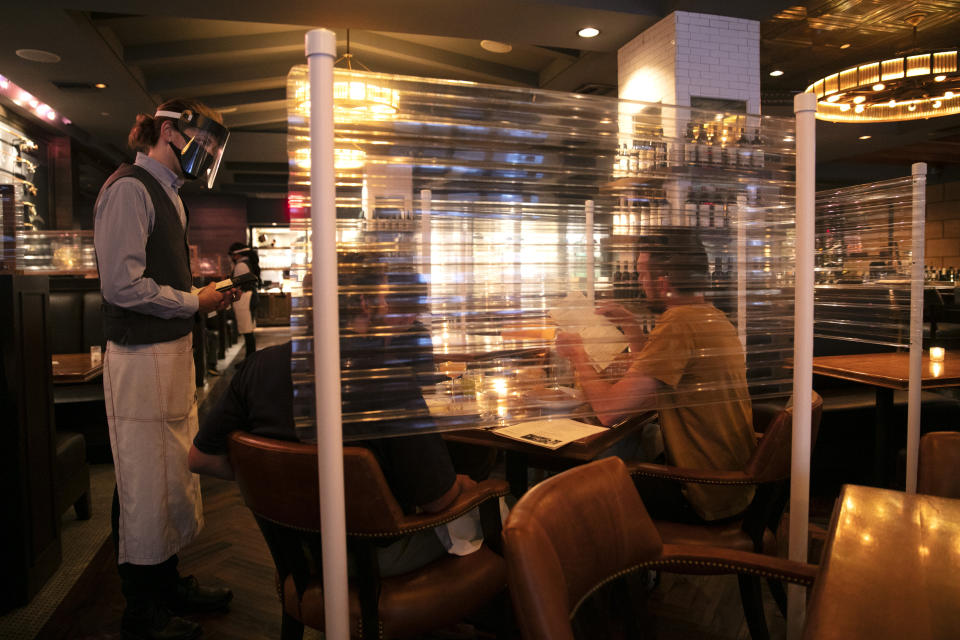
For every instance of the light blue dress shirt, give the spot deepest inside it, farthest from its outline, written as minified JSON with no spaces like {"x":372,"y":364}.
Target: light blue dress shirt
{"x":124,"y":221}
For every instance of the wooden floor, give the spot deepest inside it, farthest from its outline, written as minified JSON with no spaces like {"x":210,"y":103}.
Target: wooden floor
{"x":231,"y":551}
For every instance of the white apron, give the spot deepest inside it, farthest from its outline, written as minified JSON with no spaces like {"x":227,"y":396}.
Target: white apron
{"x":152,"y":415}
{"x":241,"y":310}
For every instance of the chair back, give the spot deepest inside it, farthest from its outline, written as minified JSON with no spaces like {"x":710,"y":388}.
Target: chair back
{"x":770,"y":461}
{"x":567,"y":536}
{"x":938,"y":471}
{"x":279,"y":482}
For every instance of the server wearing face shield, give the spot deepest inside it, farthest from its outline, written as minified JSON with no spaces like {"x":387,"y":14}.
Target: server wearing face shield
{"x":149,"y":304}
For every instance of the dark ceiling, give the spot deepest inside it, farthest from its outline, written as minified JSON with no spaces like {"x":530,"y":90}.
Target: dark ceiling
{"x":235,"y":56}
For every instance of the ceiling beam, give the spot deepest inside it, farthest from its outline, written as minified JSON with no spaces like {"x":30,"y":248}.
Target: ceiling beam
{"x":457,"y":63}
{"x":230,"y":46}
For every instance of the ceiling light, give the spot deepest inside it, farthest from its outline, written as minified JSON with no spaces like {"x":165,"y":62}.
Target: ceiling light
{"x":894,"y":84}
{"x":588,"y":32}
{"x":38,"y":55}
{"x":100,"y":85}
{"x":845,"y":45}
{"x":864,"y":137}
{"x":844,"y":107}
{"x":776,"y":73}
{"x":496,"y":47}
{"x":833,"y":98}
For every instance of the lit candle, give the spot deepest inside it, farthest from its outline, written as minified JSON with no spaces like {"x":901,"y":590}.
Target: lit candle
{"x":937,"y":354}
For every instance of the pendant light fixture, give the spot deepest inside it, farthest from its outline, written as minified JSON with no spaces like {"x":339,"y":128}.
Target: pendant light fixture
{"x":919,"y":84}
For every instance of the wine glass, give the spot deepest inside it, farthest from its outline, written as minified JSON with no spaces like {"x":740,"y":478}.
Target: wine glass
{"x":453,"y":370}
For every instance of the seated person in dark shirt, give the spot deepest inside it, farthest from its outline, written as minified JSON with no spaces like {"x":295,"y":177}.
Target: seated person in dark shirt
{"x":417,"y":467}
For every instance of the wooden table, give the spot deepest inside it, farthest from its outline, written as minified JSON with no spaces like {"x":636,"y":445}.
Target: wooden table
{"x":519,"y":456}
{"x":70,"y":368}
{"x":889,"y":569}
{"x":887,"y":372}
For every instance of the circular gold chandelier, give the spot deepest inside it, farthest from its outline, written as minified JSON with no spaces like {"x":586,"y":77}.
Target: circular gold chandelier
{"x":924,"y":85}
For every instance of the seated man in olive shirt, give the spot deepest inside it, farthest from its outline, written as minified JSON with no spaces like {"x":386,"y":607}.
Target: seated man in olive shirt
{"x":691,"y":368}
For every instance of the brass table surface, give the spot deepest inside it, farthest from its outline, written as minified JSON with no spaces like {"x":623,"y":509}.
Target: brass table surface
{"x":69,"y":368}
{"x":889,"y":569}
{"x":889,"y":370}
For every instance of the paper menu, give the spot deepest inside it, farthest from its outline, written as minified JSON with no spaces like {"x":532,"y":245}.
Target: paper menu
{"x":601,"y":338}
{"x":551,"y":434}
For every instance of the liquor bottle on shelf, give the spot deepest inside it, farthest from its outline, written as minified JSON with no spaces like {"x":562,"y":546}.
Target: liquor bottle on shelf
{"x":644,"y":217}
{"x":703,"y":208}
{"x":757,"y":143}
{"x":664,"y":150}
{"x":637,"y":290}
{"x":690,"y":146}
{"x":729,"y":150}
{"x":703,"y":151}
{"x":744,"y":156}
{"x":716,"y":153}
{"x":690,"y":209}
{"x":634,"y":156}
{"x":617,"y":278}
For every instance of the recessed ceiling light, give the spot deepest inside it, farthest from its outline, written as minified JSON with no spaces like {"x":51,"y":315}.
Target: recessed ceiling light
{"x":858,"y":99}
{"x":940,"y":78}
{"x":834,"y":97}
{"x":892,"y":103}
{"x":588,"y":32}
{"x":844,"y":107}
{"x":776,"y":72}
{"x":864,"y":137}
{"x":936,"y":104}
{"x":100,"y":85}
{"x":38,"y":55}
{"x":496,"y":47}
{"x":948,"y":94}
{"x":879,"y":86}
{"x":858,"y":108}
{"x":845,"y":45}
{"x":912,"y":107}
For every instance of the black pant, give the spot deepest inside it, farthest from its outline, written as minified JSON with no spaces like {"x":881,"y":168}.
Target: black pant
{"x":142,"y":585}
{"x":249,"y":343}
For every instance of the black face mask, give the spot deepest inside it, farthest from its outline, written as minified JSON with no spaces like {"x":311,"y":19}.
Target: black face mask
{"x":206,"y":139}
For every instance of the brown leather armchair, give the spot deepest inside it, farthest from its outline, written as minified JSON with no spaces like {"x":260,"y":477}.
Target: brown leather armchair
{"x":278,"y":481}
{"x":769,"y":469}
{"x":938,"y":471}
{"x":575,"y":532}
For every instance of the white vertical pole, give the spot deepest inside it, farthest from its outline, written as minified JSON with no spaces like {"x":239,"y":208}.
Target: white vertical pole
{"x":426,"y":248}
{"x":588,"y":236}
{"x":321,"y":48}
{"x":741,"y":222}
{"x":918,"y":231}
{"x":805,"y":108}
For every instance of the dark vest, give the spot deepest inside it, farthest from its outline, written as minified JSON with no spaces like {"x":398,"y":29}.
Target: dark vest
{"x":167,"y":263}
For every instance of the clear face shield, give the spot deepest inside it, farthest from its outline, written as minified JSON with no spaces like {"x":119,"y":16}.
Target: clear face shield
{"x":205,"y":141}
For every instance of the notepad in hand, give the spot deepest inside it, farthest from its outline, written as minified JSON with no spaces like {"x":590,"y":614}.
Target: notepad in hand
{"x":244,"y":281}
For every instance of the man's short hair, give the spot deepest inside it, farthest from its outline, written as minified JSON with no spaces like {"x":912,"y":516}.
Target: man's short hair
{"x":679,"y":255}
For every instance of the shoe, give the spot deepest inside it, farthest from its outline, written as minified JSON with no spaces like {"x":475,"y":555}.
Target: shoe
{"x":212,"y":372}
{"x":157,"y":623}
{"x":189,"y":597}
